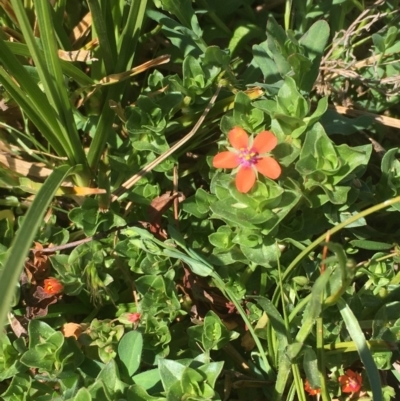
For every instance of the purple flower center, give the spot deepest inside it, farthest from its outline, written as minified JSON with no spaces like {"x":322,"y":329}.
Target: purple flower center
{"x":247,"y":157}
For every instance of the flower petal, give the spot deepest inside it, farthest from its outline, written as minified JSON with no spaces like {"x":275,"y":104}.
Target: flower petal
{"x":225,"y":160}
{"x":269,"y":167}
{"x":52,"y":286}
{"x":351,"y":381}
{"x":245,"y":179}
{"x":264,"y":142}
{"x":238,"y":138}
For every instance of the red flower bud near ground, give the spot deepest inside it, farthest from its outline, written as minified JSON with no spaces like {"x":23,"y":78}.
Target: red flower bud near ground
{"x":134,"y":317}
{"x":52,"y":286}
{"x":250,"y":157}
{"x":351,"y":381}
{"x":310,"y":390}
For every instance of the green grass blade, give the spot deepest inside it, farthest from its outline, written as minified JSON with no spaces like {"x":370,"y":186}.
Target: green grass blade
{"x":32,"y":109}
{"x":12,"y":268}
{"x":37,"y":55}
{"x":68,"y":68}
{"x":57,"y":15}
{"x":129,"y":38}
{"x":126,"y":51}
{"x":358,"y":337}
{"x":62,"y":103}
{"x":108,"y":53}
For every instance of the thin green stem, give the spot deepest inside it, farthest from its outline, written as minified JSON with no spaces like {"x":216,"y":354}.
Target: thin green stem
{"x":358,"y":5}
{"x":231,"y":296}
{"x":288,"y":12}
{"x":333,"y":231}
{"x":301,"y":395}
{"x":299,"y":306}
{"x":350,"y":346}
{"x":322,"y":358}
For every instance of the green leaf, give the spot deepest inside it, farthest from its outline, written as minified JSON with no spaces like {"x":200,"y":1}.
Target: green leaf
{"x":221,"y":239}
{"x":214,"y":333}
{"x":371,"y":245}
{"x":39,"y":332}
{"x":109,"y":375}
{"x":15,"y":260}
{"x":212,"y":371}
{"x":138,"y":393}
{"x":243,"y":34}
{"x":245,"y":115}
{"x":277,"y":323}
{"x":293,"y":350}
{"x":148,"y":379}
{"x":265,"y":63}
{"x":82,"y":395}
{"x":276,"y":39}
{"x":181,"y":37}
{"x":264,"y":254}
{"x":19,"y":388}
{"x":335,"y":123}
{"x":314,"y":42}
{"x":379,"y":42}
{"x":170,"y":372}
{"x":314,"y":306}
{"x":197,"y":267}
{"x":289,"y":100}
{"x":315,"y":39}
{"x":319,"y":111}
{"x":184,"y":11}
{"x":310,"y":364}
{"x":190,"y":382}
{"x":130,"y":351}
{"x":99,"y":392}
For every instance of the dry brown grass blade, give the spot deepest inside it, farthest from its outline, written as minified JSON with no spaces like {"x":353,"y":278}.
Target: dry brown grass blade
{"x":82,"y":30}
{"x":76,"y":55}
{"x":26,"y":169}
{"x":122,"y":76}
{"x":115,"y":78}
{"x":388,"y":121}
{"x":133,"y":180}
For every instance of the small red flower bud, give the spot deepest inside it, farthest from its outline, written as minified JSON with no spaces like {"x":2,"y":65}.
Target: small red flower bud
{"x":134,"y":317}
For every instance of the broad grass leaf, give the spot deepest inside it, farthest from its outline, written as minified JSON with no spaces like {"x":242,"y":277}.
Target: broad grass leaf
{"x":310,"y":365}
{"x":356,"y":333}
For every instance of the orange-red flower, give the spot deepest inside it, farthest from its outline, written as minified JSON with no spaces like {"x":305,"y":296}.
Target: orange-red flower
{"x":249,"y":157}
{"x":351,"y":381}
{"x":310,"y":390}
{"x":52,"y":286}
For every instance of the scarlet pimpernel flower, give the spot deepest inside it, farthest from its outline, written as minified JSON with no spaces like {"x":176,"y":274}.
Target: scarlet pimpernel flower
{"x":249,"y":157}
{"x":310,"y":390}
{"x":52,"y":286}
{"x":351,"y":381}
